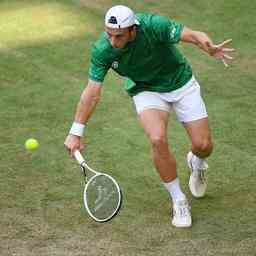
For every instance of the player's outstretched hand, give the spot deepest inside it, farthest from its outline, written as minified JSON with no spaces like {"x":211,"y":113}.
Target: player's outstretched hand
{"x":221,"y":51}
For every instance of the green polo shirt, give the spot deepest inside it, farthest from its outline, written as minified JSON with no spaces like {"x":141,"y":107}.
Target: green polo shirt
{"x":149,"y":63}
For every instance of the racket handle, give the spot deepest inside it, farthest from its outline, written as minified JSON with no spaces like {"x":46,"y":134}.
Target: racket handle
{"x":79,"y":157}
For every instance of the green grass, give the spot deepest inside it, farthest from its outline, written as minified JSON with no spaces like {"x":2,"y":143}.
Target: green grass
{"x":44,"y":54}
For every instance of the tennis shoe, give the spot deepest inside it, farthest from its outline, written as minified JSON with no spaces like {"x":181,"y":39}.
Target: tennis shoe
{"x":181,"y":214}
{"x":197,"y":180}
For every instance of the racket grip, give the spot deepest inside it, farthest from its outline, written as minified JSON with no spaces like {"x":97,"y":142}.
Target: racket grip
{"x":79,"y":157}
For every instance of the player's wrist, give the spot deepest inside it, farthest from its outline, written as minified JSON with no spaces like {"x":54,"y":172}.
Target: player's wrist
{"x":77,"y":129}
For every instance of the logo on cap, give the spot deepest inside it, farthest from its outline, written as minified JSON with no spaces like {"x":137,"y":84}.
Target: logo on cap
{"x":112,"y":20}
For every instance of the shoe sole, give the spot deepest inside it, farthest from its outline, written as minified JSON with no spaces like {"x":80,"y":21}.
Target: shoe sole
{"x":182,"y":226}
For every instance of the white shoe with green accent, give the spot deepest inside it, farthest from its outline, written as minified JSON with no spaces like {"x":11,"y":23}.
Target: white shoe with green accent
{"x":197,"y":180}
{"x":181,"y":214}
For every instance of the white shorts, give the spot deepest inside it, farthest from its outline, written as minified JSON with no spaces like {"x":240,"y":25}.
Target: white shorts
{"x":185,"y":101}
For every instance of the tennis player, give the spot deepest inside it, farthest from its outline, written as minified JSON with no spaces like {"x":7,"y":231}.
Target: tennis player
{"x":141,"y":48}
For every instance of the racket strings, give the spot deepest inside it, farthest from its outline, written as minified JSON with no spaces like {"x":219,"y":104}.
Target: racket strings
{"x":102,"y":197}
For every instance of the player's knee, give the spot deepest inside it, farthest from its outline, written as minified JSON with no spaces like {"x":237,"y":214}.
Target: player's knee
{"x":204,"y":146}
{"x":158,"y":140}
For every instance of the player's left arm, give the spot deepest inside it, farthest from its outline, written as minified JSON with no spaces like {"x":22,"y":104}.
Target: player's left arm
{"x":204,"y":42}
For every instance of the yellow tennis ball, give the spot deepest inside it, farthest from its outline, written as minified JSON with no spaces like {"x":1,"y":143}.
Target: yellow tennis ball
{"x":31,"y":144}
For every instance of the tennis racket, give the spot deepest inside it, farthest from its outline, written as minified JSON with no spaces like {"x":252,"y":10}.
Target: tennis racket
{"x":102,"y":194}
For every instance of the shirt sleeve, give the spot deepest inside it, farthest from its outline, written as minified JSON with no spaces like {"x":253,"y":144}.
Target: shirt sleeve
{"x":166,"y":30}
{"x":98,"y":66}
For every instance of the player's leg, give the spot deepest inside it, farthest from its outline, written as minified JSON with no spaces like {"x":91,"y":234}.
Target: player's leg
{"x":154,"y":122}
{"x":191,"y":111}
{"x":200,"y":136}
{"x":201,"y":147}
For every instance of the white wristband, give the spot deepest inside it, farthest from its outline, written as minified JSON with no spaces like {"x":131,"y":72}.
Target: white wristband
{"x":77,"y":129}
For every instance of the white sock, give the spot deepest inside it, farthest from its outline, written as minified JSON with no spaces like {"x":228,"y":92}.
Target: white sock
{"x":174,"y":189}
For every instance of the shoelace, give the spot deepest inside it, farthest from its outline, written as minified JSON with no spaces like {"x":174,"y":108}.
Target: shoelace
{"x":200,"y":172}
{"x":184,"y":211}
{"x":202,"y":175}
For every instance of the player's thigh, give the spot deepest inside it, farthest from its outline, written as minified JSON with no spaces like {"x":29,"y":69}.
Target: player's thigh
{"x":154,"y":122}
{"x":153,"y":113}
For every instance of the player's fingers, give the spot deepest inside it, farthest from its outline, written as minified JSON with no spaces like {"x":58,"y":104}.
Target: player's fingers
{"x":81,"y":148}
{"x":224,"y":43}
{"x":228,"y":49}
{"x":72,"y":151}
{"x":75,"y":146}
{"x":67,"y":147}
{"x":224,"y":62}
{"x":226,"y":56}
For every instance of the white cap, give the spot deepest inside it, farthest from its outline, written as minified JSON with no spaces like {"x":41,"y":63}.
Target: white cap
{"x":120,"y":16}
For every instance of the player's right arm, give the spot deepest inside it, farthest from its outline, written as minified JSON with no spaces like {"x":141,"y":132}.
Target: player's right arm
{"x":100,"y":63}
{"x":85,"y":108}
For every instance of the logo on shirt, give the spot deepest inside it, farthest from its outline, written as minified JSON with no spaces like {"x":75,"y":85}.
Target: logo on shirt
{"x":172,"y":33}
{"x":114,"y":65}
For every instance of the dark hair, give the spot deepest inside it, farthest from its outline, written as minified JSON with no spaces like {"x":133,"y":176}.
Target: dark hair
{"x":132,"y":27}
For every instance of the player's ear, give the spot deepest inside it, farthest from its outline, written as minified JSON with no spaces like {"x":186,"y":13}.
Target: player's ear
{"x":132,"y":30}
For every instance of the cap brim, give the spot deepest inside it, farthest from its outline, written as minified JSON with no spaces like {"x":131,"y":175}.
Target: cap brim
{"x":136,"y":22}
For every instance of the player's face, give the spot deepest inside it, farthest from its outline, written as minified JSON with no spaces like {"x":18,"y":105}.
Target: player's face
{"x":119,"y":37}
